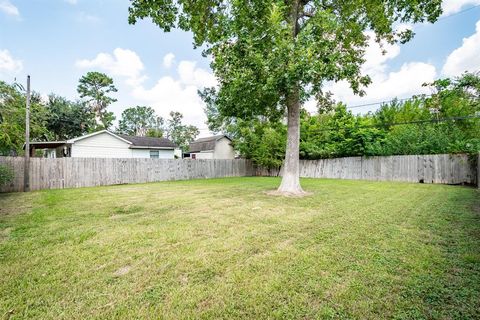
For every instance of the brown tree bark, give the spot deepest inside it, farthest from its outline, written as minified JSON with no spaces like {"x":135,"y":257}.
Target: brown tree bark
{"x":291,"y":169}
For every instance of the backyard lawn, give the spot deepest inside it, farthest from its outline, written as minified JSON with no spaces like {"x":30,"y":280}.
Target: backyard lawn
{"x":223,"y":248}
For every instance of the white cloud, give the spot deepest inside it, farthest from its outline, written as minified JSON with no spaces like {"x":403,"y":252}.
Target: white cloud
{"x":123,"y":62}
{"x":465,"y":58}
{"x":386,"y":84}
{"x":73,"y":2}
{"x":167,"y":94}
{"x":454,"y":6}
{"x":376,"y":55}
{"x":8,"y":64}
{"x":191,"y":75}
{"x":88,"y":18}
{"x":168,"y":60}
{"x":402,"y":83}
{"x":8,"y":8}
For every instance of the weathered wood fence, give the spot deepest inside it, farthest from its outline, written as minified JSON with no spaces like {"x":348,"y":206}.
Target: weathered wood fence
{"x":441,"y":168}
{"x":87,"y":172}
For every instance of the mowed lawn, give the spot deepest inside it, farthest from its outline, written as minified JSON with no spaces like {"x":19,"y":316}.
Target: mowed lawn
{"x":223,"y":248}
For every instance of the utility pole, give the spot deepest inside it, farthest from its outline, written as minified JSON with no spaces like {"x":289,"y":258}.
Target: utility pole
{"x":478,"y":171}
{"x":26,"y":173}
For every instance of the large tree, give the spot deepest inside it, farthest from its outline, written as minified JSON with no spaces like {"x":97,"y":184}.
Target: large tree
{"x":68,"y":119}
{"x":95,"y":87}
{"x":271,"y":55}
{"x":140,"y":121}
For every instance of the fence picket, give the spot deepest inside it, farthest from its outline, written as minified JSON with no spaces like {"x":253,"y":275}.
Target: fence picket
{"x":86,"y":172}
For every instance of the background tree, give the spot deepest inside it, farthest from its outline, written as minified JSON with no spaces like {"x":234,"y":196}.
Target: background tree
{"x":96,"y":87}
{"x":262,"y":141}
{"x":67,"y":119}
{"x":179,"y":133}
{"x":419,"y":125}
{"x":12,"y":119}
{"x":457,"y":98}
{"x":137,"y":121}
{"x":272,"y":55}
{"x":158,"y":130}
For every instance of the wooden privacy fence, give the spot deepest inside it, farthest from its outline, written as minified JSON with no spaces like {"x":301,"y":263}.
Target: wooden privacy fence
{"x":441,"y":168}
{"x":87,"y":172}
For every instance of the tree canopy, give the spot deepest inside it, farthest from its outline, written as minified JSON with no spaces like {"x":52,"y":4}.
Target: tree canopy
{"x":140,"y":121}
{"x":143,"y":121}
{"x":55,"y":118}
{"x":67,"y":119}
{"x":58,"y":118}
{"x":95,"y":87}
{"x":448,"y":121}
{"x":181,"y":134}
{"x":270,"y":55}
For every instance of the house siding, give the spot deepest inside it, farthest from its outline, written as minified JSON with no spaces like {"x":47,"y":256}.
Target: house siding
{"x":203,"y":155}
{"x":145,"y":153}
{"x":223,"y":149}
{"x":101,"y":145}
{"x":105,"y":145}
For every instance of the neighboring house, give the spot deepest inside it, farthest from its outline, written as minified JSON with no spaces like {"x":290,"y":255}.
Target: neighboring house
{"x":106,"y":144}
{"x":216,"y":147}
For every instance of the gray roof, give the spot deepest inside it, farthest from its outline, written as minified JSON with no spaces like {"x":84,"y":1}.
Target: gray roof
{"x":148,"y":142}
{"x":205,"y":144}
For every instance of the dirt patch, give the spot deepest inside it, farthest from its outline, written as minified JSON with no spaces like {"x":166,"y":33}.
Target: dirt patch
{"x":18,"y":203}
{"x":183,"y":279}
{"x":122,"y":271}
{"x":277,"y":193}
{"x":5,"y":234}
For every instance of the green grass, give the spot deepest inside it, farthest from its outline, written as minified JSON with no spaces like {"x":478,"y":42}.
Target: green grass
{"x":224,"y":249}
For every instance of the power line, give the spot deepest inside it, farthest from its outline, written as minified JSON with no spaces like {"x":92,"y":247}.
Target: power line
{"x":408,"y":123}
{"x":418,"y":95}
{"x":410,"y":98}
{"x":463,"y":118}
{"x":457,"y":13}
{"x":383,"y":102}
{"x":388,"y":101}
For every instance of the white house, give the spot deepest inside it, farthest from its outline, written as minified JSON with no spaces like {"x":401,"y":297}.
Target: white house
{"x":106,"y":144}
{"x":215,"y":147}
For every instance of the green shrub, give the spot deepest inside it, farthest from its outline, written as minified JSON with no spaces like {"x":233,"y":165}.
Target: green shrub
{"x":6,"y":175}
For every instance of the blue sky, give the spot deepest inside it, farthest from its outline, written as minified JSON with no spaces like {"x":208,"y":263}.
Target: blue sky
{"x":57,"y":41}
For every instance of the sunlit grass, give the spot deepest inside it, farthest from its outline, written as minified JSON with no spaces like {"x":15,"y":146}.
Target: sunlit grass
{"x":223,"y":248}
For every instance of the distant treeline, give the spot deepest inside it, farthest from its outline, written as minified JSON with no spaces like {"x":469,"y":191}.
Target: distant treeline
{"x":55,"y":118}
{"x":448,"y":121}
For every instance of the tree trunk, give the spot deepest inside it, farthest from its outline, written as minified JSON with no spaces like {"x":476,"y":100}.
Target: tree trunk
{"x":291,"y":172}
{"x":291,"y":169}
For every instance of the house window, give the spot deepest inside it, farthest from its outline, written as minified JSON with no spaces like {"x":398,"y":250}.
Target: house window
{"x":154,"y":154}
